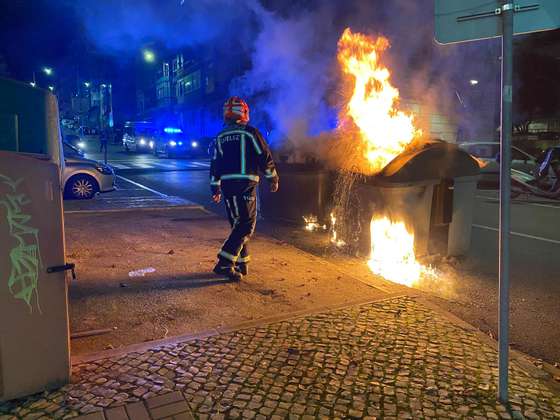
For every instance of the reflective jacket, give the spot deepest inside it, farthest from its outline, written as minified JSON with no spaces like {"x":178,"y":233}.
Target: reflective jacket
{"x":240,"y":153}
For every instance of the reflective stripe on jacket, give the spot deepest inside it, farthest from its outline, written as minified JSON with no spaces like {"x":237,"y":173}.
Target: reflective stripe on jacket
{"x":240,"y":153}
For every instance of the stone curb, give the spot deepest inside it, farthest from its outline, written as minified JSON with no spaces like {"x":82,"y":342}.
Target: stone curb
{"x":124,"y":210}
{"x":140,"y":347}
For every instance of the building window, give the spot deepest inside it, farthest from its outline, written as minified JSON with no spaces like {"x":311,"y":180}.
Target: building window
{"x":190,"y":82}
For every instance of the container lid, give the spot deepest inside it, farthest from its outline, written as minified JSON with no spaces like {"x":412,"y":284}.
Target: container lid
{"x":430,"y":162}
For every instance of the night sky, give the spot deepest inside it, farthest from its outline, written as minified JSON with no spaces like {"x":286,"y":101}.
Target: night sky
{"x":78,"y":40}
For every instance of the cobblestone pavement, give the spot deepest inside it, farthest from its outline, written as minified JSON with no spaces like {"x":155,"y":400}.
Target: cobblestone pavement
{"x":390,"y":359}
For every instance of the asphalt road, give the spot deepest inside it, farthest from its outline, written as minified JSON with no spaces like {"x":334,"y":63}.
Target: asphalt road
{"x":535,"y":254}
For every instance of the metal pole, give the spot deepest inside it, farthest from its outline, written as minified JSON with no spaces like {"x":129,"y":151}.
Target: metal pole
{"x":505,"y":192}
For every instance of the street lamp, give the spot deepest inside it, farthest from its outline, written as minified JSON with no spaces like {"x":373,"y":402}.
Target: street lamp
{"x":87,"y":84}
{"x":149,"y":56}
{"x":48,"y":71}
{"x":33,"y":84}
{"x":473,"y":82}
{"x":51,"y":88}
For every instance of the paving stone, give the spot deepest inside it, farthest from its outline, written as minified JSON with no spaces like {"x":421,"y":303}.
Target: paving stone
{"x":160,"y":400}
{"x":357,"y":361}
{"x":137,"y":411}
{"x":98,"y":415}
{"x":169,"y":410}
{"x":117,"y":413}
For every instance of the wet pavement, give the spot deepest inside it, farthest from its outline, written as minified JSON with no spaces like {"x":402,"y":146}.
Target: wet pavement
{"x":394,"y":358}
{"x":129,"y":195}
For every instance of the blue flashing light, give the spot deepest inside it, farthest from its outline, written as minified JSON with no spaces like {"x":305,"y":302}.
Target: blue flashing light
{"x":172,"y":143}
{"x":180,"y":143}
{"x":172,"y":130}
{"x":194,"y":144}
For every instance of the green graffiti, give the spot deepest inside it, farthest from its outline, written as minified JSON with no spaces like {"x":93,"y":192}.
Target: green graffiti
{"x":25,"y":256}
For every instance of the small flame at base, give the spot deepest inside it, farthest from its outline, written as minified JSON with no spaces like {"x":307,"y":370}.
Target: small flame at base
{"x":392,"y":253}
{"x":312,"y":223}
{"x":334,"y":236}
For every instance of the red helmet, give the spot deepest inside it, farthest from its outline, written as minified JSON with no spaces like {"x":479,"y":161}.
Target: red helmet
{"x":236,"y":109}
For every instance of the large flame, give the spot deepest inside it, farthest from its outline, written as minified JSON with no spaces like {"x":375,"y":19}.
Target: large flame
{"x":385,"y":130}
{"x":392,"y":252}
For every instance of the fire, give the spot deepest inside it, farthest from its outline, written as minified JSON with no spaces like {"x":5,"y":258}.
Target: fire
{"x":334,"y":236}
{"x":312,"y":223}
{"x":392,"y":252}
{"x":385,"y":130}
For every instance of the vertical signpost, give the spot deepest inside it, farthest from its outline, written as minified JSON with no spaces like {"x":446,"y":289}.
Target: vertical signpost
{"x":470,"y":20}
{"x":505,"y":198}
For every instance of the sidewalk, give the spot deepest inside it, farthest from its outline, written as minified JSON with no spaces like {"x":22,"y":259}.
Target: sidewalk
{"x":178,"y":294}
{"x":393,"y":358}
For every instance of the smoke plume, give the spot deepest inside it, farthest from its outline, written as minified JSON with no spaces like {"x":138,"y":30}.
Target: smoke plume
{"x":293,"y":84}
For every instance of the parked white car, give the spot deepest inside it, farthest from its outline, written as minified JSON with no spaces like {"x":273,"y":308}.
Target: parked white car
{"x":83,"y":178}
{"x":488,"y":154}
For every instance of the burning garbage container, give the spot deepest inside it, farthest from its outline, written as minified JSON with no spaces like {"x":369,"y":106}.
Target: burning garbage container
{"x":431,"y":189}
{"x":34,"y":336}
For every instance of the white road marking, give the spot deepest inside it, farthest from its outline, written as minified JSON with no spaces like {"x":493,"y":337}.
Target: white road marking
{"x":143,"y":186}
{"x":119,"y":166}
{"x":201,"y":164}
{"x":497,"y":200}
{"x":162,"y":165}
{"x":522,"y":235}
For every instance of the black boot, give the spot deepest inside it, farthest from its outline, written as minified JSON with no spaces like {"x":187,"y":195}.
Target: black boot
{"x":226,"y":268}
{"x":242,"y":268}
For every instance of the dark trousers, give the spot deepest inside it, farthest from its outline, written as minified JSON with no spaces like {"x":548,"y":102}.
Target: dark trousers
{"x":241,"y":205}
{"x":103,"y":145}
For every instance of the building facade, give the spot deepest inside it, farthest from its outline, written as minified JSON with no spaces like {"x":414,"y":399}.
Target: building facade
{"x":189,"y":91}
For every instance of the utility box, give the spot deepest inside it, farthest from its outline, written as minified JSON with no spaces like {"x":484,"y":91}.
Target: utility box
{"x":34,"y":328}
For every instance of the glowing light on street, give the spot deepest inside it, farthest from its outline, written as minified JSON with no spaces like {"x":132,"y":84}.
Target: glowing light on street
{"x":87,"y":84}
{"x":48,"y":71}
{"x":33,"y":84}
{"x":385,"y":130}
{"x":149,"y":56}
{"x":473,"y":82}
{"x":51,"y":88}
{"x":194,"y":144}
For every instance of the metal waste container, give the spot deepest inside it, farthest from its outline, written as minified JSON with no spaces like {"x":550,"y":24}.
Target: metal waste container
{"x":431,"y":189}
{"x":305,"y":189}
{"x":34,"y":332}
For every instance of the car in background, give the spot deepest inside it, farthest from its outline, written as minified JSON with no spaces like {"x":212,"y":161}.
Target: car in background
{"x":76,"y":141}
{"x":139,"y":136}
{"x":83,"y":178}
{"x":171,"y":142}
{"x":488,"y":156}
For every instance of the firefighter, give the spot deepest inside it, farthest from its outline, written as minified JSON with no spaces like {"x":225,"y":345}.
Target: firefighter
{"x":239,"y":154}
